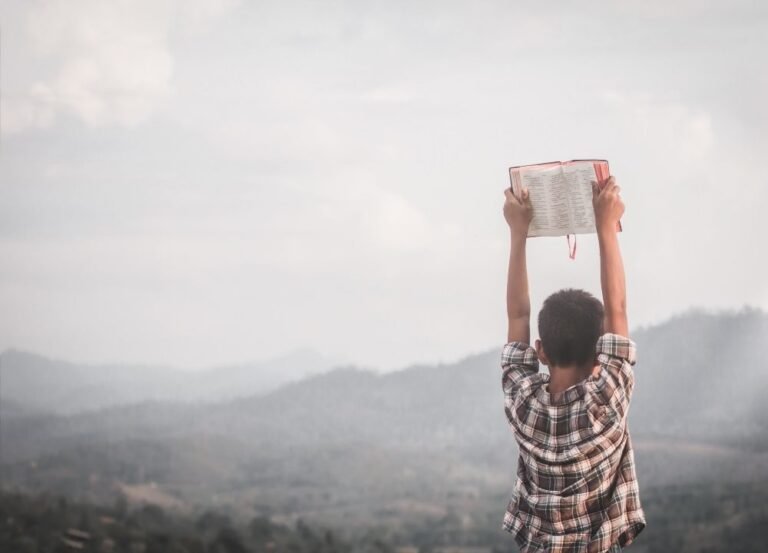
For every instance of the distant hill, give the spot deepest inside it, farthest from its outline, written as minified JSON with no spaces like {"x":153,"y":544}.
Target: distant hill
{"x":36,"y":383}
{"x":701,"y":374}
{"x":344,"y":443}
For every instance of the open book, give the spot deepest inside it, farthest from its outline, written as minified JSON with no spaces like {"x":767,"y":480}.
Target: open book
{"x":561,"y":195}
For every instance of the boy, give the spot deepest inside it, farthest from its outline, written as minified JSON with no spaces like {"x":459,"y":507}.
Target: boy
{"x":576,"y":487}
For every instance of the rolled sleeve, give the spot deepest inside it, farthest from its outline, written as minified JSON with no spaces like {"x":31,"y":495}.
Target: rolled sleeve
{"x":616,"y":345}
{"x":518,"y":361}
{"x":616,"y":355}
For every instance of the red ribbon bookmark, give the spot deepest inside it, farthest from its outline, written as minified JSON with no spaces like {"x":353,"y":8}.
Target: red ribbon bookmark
{"x":571,"y":250}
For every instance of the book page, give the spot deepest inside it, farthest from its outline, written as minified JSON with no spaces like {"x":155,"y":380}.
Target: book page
{"x":578,"y":177}
{"x":547,"y":189}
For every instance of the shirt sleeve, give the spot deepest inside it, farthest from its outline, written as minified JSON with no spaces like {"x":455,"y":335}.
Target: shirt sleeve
{"x":518,"y":361}
{"x":613,"y":386}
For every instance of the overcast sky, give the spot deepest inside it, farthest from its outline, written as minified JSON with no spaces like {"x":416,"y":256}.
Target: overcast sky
{"x":199,"y":182}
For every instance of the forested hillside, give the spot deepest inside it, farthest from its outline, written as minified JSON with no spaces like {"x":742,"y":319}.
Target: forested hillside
{"x":413,"y":451}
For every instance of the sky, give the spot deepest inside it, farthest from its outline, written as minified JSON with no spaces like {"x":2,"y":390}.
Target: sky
{"x":198,"y":183}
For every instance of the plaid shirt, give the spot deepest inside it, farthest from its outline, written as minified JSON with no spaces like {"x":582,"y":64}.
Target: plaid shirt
{"x":576,"y":488}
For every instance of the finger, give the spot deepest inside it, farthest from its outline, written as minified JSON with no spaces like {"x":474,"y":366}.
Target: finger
{"x":595,"y":189}
{"x":510,"y":195}
{"x":605,"y":183}
{"x":610,"y":185}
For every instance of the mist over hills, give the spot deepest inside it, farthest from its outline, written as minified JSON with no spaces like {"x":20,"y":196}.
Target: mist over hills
{"x":702,"y":374}
{"x":348,"y":443}
{"x":37,"y":383}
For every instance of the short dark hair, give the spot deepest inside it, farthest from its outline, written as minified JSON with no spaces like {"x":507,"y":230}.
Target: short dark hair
{"x":570,"y":323}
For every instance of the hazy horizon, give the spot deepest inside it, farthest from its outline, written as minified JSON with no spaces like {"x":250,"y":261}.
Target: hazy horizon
{"x":335,"y":361}
{"x":212,"y":182}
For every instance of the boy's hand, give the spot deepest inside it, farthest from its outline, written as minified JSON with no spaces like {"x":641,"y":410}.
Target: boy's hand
{"x":518,"y":213}
{"x":608,"y":205}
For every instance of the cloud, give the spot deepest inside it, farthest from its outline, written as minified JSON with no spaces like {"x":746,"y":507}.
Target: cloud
{"x":104,"y":63}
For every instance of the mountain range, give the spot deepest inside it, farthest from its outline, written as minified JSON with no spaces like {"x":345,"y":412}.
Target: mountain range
{"x":36,"y":383}
{"x":347,"y":444}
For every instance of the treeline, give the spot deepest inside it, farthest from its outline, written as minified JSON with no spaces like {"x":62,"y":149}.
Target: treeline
{"x":706,"y":518}
{"x":711,"y":517}
{"x":44,"y":523}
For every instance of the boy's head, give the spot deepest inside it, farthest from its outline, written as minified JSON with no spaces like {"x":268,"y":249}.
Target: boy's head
{"x":570,"y":322}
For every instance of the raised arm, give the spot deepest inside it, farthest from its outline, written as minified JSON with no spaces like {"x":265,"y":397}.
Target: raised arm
{"x":518,"y":213}
{"x":608,"y":210}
